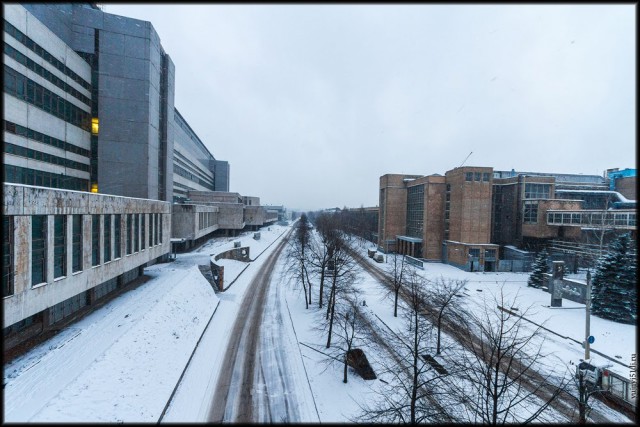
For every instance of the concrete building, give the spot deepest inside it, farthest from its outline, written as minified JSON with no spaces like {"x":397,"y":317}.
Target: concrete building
{"x":132,"y":84}
{"x":194,"y":167}
{"x":65,"y":250}
{"x":466,"y":216}
{"x":123,"y":82}
{"x":89,"y":106}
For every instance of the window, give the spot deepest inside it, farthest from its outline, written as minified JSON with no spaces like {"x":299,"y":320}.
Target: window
{"x":7,"y":256}
{"x":536,"y":191}
{"x":620,"y":219}
{"x":489,"y":253}
{"x":95,"y":240}
{"x":77,"y":243}
{"x":107,"y":238}
{"x":474,"y":252}
{"x":136,"y":229}
{"x":530,"y":213}
{"x":129,"y":232}
{"x":38,"y":249}
{"x":143,"y":234}
{"x":59,"y":246}
{"x":157,"y":229}
{"x":468,"y":176}
{"x":485,"y":176}
{"x":152,"y":229}
{"x":478,"y":176}
{"x":117,"y":252}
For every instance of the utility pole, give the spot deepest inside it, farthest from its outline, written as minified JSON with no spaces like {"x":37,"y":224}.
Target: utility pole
{"x":588,"y":318}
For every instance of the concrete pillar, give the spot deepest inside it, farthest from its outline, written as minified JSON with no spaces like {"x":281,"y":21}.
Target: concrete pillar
{"x":557,"y":274}
{"x":86,"y":242}
{"x":22,"y":253}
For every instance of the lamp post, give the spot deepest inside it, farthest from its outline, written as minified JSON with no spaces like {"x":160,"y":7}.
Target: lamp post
{"x":588,"y":318}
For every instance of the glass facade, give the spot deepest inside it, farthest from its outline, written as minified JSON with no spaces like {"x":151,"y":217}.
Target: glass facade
{"x":117,"y":242}
{"x":95,"y":240}
{"x":59,"y":246}
{"x":38,"y":249}
{"x":415,"y":211}
{"x":136,"y":232}
{"x":107,"y":238}
{"x":76,"y":248}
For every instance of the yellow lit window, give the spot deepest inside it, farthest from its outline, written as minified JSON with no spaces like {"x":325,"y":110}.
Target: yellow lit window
{"x":94,"y":187}
{"x":95,"y":125}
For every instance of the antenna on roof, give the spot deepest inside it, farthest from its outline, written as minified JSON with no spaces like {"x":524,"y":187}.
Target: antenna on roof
{"x":465,"y":159}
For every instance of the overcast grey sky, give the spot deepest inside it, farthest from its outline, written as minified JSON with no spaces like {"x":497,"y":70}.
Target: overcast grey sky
{"x":311,"y":104}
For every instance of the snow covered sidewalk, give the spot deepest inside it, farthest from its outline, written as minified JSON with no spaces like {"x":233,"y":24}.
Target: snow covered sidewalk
{"x":122,"y":362}
{"x":119,"y":363}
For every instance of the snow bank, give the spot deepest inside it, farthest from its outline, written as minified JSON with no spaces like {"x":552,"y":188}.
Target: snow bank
{"x":124,"y":360}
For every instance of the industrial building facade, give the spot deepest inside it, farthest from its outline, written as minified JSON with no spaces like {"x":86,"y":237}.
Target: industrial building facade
{"x":471,"y":214}
{"x":95,"y":154}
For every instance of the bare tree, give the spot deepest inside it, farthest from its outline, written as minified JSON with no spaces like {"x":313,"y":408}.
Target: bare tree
{"x":350,"y":330}
{"x":322,"y":253}
{"x":442,"y":295}
{"x":498,"y":362}
{"x":413,"y":392}
{"x":298,"y":255}
{"x":342,"y":278}
{"x":396,"y":269}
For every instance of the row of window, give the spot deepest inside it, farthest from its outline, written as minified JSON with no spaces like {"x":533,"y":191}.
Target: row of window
{"x":191,"y":177}
{"x":476,"y":176}
{"x":20,"y":130}
{"x":43,"y":72}
{"x":594,"y":219}
{"x":41,"y":52}
{"x":44,"y":157}
{"x":536,"y":191}
{"x":23,"y":88}
{"x":27,"y":176}
{"x":111,"y":228}
{"x":189,"y":165}
{"x":207,"y":219}
{"x":192,"y":136}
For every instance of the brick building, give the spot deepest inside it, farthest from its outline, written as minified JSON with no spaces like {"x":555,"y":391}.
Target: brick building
{"x":464,"y":217}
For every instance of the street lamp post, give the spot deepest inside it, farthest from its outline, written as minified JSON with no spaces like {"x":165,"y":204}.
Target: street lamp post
{"x":588,"y":318}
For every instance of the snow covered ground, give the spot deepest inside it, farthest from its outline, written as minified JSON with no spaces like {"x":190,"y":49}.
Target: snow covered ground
{"x":123,"y":362}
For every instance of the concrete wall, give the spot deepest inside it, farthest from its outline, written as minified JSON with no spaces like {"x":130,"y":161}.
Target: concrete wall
{"x":185,"y":221}
{"x":22,"y":202}
{"x":254,"y":215}
{"x":214,"y":197}
{"x":231,"y":216}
